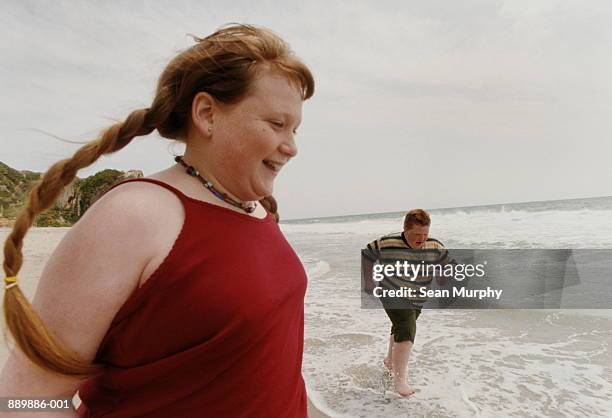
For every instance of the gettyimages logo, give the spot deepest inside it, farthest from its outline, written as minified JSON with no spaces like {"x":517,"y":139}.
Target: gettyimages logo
{"x":411,"y":271}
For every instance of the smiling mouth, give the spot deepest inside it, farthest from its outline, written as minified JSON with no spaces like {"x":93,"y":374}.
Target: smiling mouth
{"x":273,"y":165}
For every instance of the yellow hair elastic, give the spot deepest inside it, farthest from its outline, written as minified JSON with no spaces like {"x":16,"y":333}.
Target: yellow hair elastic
{"x":10,"y":282}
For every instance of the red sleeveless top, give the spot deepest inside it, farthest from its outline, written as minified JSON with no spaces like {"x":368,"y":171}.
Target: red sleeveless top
{"x":216,"y":331}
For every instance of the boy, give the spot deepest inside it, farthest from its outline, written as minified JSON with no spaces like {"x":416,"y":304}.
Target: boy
{"x":414,"y":246}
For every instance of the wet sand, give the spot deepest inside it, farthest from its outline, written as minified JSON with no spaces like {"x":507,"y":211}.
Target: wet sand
{"x":313,"y":412}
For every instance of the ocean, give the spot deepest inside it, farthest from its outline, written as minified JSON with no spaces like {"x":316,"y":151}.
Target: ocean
{"x":470,"y":363}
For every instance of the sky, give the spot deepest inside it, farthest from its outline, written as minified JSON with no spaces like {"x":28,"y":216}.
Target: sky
{"x":428,"y":104}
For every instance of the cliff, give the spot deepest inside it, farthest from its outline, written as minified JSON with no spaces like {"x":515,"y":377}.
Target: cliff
{"x":72,"y":203}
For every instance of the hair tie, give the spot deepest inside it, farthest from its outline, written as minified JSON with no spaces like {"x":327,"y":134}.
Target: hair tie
{"x":10,"y":282}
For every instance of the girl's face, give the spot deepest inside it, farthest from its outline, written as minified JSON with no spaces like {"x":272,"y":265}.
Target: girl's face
{"x":253,"y":139}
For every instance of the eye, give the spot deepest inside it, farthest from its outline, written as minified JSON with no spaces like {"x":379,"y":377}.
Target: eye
{"x":280,"y":124}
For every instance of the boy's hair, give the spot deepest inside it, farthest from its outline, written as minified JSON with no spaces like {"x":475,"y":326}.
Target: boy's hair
{"x":416,"y":217}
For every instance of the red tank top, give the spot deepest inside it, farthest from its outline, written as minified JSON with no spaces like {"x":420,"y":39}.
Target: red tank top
{"x":216,"y":331}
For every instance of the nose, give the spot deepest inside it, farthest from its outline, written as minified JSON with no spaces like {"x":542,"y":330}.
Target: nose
{"x":289,"y":147}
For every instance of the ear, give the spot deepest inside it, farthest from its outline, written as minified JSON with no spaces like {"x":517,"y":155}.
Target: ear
{"x":203,"y":108}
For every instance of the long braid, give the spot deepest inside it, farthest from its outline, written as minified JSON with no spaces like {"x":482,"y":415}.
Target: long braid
{"x":22,"y":320}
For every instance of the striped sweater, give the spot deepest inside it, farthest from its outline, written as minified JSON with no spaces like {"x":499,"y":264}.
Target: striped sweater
{"x":393,"y":248}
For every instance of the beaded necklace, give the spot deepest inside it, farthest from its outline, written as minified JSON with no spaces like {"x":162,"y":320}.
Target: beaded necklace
{"x":248,"y":207}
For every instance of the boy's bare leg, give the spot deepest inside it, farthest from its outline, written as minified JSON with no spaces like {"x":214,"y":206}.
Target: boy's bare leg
{"x":388,"y":360}
{"x":401,"y":354}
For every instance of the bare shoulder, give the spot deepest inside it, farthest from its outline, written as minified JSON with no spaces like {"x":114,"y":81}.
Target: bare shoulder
{"x":130,"y":226}
{"x":137,"y":221}
{"x":92,"y":272}
{"x":138,"y":201}
{"x":158,"y":218}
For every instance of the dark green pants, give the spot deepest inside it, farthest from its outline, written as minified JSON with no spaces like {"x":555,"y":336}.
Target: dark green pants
{"x":404,"y":323}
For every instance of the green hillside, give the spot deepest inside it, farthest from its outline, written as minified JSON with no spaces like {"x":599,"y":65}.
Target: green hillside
{"x":74,"y":201}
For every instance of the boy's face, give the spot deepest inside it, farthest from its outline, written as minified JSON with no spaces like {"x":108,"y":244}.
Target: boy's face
{"x":416,"y":235}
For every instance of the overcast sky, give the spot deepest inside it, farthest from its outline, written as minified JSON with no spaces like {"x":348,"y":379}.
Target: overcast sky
{"x":418,"y":104}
